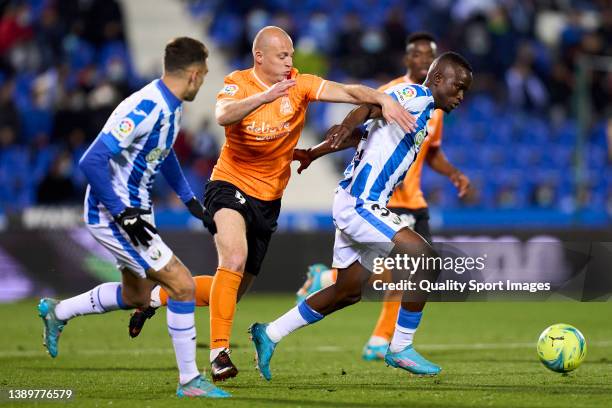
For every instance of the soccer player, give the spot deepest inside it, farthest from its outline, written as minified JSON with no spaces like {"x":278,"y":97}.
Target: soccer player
{"x":365,"y":228}
{"x":407,"y":200}
{"x":120,"y":165}
{"x":263,"y":110}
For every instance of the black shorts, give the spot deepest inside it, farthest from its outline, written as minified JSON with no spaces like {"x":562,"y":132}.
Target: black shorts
{"x":421,"y":220}
{"x":259,"y":216}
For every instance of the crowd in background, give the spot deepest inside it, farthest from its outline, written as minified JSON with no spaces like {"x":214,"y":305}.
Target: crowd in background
{"x":64,"y":66}
{"x":520,"y":115}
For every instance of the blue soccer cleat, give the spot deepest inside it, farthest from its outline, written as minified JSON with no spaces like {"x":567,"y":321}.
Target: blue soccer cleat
{"x":313,"y":281}
{"x":52,"y":325}
{"x":200,"y":388}
{"x":264,"y":349}
{"x":371,"y":353}
{"x":408,"y":359}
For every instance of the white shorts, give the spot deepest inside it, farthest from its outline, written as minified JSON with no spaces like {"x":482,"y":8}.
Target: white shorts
{"x":137,"y":258}
{"x":364,"y":230}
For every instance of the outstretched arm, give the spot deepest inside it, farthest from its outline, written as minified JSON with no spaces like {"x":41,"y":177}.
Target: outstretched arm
{"x":338,"y":137}
{"x":392,"y":111}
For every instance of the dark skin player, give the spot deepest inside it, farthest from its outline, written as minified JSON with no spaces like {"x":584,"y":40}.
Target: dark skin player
{"x":448,"y":81}
{"x":420,"y":54}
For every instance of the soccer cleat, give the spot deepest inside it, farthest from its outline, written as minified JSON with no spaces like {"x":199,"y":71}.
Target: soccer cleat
{"x":200,"y":388}
{"x":222,"y":368}
{"x":371,"y":353}
{"x":138,"y":319}
{"x":264,"y":349}
{"x":408,"y":359}
{"x":313,"y":281}
{"x":52,"y":325}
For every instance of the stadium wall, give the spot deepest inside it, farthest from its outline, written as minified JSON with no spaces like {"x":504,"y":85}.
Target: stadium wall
{"x":64,"y":261}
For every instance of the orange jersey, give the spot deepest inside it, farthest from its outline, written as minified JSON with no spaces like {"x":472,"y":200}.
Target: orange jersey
{"x":409,"y":194}
{"x":258,"y":150}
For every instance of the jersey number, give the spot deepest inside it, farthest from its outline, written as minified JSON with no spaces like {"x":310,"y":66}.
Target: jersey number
{"x":384,"y":212}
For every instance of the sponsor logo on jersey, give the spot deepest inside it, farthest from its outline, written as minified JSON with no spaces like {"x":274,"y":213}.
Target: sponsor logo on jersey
{"x":271,"y":132}
{"x":285,"y":107}
{"x":156,"y":154}
{"x":419,"y":137}
{"x":229,"y":89}
{"x":124,"y":128}
{"x":405,"y":94}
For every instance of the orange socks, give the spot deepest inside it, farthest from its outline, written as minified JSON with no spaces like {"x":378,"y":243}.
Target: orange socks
{"x":202,"y":295}
{"x":386,"y":321}
{"x":203,"y":285}
{"x":223,"y":295}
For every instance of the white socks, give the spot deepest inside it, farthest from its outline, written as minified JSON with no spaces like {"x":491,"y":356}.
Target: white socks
{"x":402,"y":338}
{"x":299,"y":316}
{"x":181,"y":326}
{"x":406,"y":326}
{"x":101,"y":299}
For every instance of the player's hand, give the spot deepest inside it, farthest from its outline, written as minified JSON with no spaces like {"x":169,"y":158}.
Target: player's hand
{"x":196,"y":209}
{"x":278,"y":90}
{"x":462,"y":182}
{"x":337,"y":134}
{"x":303,"y":156}
{"x":136,"y":228}
{"x":393,"y":112}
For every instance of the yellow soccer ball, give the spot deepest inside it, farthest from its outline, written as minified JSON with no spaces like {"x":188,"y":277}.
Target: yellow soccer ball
{"x":561,"y":348}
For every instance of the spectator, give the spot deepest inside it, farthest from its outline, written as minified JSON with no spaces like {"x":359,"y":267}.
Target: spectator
{"x":526,"y":92}
{"x":57,"y":187}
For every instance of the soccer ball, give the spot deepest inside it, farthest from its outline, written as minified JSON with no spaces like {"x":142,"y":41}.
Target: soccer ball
{"x":561,"y":348}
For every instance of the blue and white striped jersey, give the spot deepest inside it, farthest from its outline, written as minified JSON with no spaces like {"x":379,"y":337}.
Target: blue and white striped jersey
{"x":140,"y":133}
{"x":386,"y":153}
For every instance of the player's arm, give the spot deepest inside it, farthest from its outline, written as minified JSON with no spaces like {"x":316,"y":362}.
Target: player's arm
{"x":392,"y":111}
{"x":355,"y":119}
{"x":339,"y":137}
{"x":96,"y":167}
{"x":438,"y":161}
{"x":307,"y":156}
{"x":230,"y":111}
{"x":171,"y":169}
{"x":95,"y":164}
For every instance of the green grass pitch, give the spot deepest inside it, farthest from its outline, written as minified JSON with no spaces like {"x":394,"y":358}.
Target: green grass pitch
{"x":487,"y":351}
